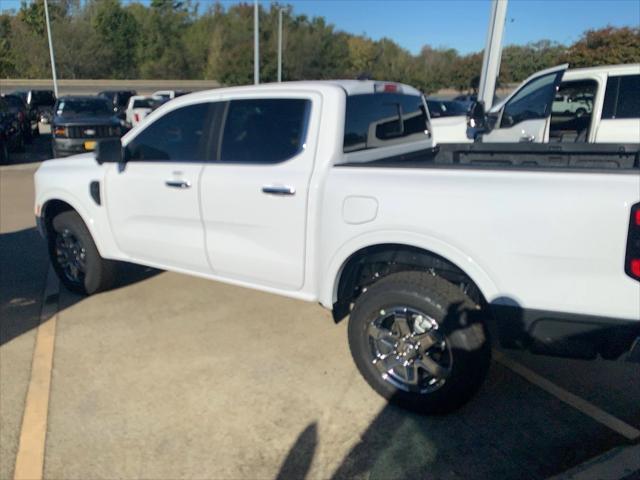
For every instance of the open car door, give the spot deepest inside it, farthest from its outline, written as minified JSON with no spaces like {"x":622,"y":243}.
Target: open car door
{"x":524,"y":116}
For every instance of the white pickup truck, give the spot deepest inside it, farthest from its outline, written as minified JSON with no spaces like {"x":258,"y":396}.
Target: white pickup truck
{"x":334,"y":192}
{"x":584,"y":105}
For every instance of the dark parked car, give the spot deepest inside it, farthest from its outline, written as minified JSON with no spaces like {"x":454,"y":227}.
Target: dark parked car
{"x":445,"y":108}
{"x":19,"y":109}
{"x":119,"y":99}
{"x":79,"y":122}
{"x":10,"y":134}
{"x":467,"y":100}
{"x":39,"y":104}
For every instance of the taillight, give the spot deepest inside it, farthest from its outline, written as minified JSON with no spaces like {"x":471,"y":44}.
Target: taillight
{"x":632,"y":260}
{"x":136,"y":117}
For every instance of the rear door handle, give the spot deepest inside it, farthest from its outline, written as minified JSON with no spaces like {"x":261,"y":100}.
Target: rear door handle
{"x":178,"y":184}
{"x":527,"y":138}
{"x":278,"y":190}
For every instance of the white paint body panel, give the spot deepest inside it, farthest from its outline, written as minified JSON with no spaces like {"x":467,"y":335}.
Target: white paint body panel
{"x":549,"y":241}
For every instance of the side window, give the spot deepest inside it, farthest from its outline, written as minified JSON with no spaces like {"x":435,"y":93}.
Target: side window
{"x":531,"y":102}
{"x":381,"y":119}
{"x":264,"y":130}
{"x":179,"y":135}
{"x":622,"y":97}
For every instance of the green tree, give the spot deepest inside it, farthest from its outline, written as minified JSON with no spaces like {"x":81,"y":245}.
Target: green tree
{"x":605,"y":46}
{"x":117,"y":30}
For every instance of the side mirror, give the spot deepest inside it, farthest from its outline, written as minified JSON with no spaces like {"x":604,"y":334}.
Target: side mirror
{"x":109,"y":151}
{"x":477,"y":116}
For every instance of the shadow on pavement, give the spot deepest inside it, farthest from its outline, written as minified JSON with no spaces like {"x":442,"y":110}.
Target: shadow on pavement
{"x":23,"y":270}
{"x":511,"y":430}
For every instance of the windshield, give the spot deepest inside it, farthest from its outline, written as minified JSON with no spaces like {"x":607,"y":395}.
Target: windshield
{"x":85,"y":106}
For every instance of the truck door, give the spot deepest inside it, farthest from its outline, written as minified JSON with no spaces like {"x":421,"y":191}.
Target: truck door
{"x":525,"y":115}
{"x":254,"y":199}
{"x":153,"y":199}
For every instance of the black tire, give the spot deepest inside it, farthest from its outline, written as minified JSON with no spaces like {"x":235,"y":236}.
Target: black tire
{"x":459,"y":322}
{"x":98,"y":275}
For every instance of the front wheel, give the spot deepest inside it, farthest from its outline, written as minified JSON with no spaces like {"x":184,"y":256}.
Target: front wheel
{"x":420,"y":342}
{"x":75,"y":258}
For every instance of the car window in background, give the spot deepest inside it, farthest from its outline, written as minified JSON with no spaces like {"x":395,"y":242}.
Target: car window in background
{"x":531,"y":102}
{"x":123,"y":98}
{"x":264,"y":130}
{"x":88,"y":106}
{"x":144,"y":103}
{"x":14,"y":101}
{"x":379,"y":119}
{"x":176,"y":136}
{"x":43,"y":98}
{"x":622,"y":98}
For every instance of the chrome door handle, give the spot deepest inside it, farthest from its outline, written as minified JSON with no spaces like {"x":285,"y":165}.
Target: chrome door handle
{"x":527,"y":138}
{"x":178,"y":183}
{"x":278,"y":190}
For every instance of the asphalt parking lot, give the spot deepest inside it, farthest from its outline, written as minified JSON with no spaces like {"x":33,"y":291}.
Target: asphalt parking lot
{"x":169,"y":376}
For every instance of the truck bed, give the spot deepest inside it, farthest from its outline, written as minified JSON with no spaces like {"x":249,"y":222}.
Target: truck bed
{"x":614,"y":158}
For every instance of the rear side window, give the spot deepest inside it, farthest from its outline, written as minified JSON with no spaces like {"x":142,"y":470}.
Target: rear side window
{"x":179,"y":135}
{"x":264,"y":130}
{"x":622,"y":97}
{"x":382,"y":119}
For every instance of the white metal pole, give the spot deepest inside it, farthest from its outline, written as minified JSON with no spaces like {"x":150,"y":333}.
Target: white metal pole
{"x":492,"y":53}
{"x":53,"y":61}
{"x":256,"y":44}
{"x":280,"y":45}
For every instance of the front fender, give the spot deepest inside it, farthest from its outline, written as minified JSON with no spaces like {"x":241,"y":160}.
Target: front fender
{"x":94,"y":217}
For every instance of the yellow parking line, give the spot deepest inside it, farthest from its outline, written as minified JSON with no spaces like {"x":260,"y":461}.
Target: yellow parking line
{"x":569,"y":398}
{"x":30,"y":457}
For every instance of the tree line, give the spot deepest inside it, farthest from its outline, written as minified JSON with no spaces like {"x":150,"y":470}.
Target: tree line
{"x":172,"y":39}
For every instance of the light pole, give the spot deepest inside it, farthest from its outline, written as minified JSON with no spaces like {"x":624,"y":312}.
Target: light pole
{"x":280,"y":45}
{"x":492,"y":52}
{"x":53,"y":61}
{"x":256,"y":44}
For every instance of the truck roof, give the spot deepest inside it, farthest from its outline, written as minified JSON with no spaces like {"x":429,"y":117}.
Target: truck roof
{"x":628,"y":68}
{"x":351,"y":87}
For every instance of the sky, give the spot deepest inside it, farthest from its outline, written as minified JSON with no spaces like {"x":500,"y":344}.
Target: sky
{"x":459,"y":24}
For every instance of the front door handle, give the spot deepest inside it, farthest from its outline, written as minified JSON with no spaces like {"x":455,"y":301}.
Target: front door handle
{"x":178,"y":183}
{"x":278,"y":190}
{"x":527,"y":138}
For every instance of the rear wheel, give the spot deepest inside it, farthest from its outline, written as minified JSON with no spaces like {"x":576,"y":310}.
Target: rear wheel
{"x":75,"y":258}
{"x":420,"y":342}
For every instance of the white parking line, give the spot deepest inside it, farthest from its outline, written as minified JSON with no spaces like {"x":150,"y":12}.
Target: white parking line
{"x":569,"y":398}
{"x":30,"y":456}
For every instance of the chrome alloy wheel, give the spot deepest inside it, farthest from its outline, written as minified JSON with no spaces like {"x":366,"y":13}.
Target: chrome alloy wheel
{"x":70,"y":255}
{"x":408,"y":350}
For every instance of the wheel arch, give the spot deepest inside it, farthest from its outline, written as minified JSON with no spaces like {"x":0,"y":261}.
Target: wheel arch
{"x":374,"y":260}
{"x":53,"y":204}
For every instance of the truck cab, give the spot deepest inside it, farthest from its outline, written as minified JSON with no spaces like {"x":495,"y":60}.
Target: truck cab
{"x":586,"y":105}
